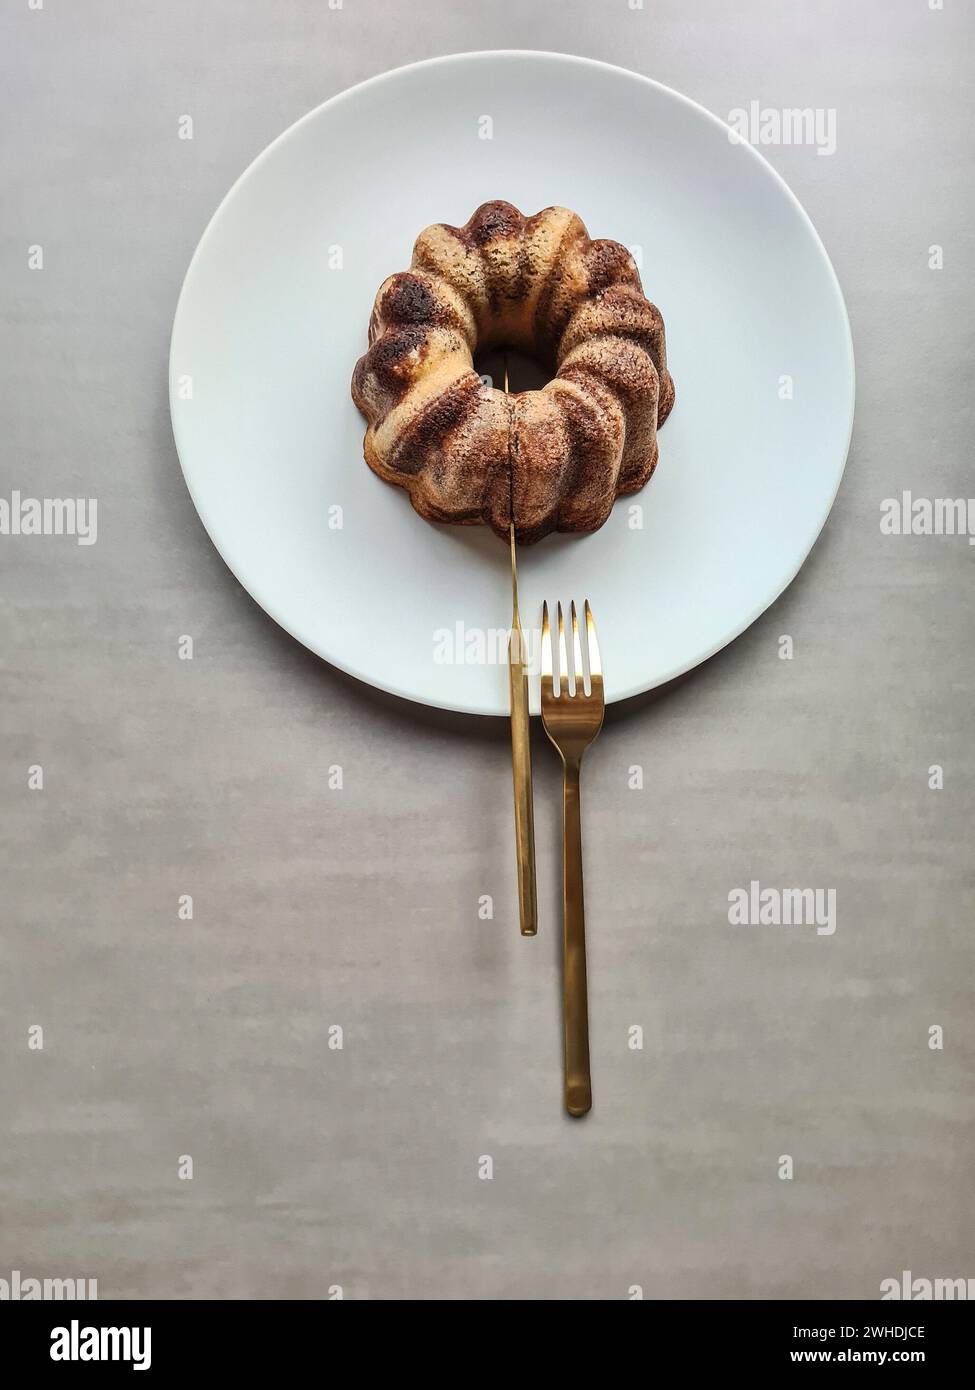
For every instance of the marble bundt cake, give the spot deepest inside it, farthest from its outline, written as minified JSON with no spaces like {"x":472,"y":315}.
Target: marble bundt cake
{"x":554,"y":459}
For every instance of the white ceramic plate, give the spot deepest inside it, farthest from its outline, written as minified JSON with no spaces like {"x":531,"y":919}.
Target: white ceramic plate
{"x":273,"y":316}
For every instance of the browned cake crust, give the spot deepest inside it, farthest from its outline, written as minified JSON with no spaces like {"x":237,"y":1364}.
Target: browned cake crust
{"x":554,"y":459}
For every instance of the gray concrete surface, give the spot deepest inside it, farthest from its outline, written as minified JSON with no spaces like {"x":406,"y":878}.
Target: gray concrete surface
{"x":315,"y":1167}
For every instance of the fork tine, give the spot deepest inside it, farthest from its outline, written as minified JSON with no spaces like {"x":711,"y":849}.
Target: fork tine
{"x":546,"y":651}
{"x":577,"y":651}
{"x":563,"y":658}
{"x":595,"y":665}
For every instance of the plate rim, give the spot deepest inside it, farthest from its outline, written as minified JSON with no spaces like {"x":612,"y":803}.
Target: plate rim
{"x":488,"y":54}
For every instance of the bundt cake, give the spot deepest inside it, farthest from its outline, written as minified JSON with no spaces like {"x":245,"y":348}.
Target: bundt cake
{"x":554,"y":459}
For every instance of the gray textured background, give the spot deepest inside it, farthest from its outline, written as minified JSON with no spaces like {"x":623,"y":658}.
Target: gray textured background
{"x":359,"y":1167}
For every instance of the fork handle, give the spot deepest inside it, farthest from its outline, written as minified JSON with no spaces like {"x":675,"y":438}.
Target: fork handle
{"x":575,"y":1003}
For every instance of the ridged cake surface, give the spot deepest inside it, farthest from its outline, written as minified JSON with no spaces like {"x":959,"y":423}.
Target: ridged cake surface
{"x":466,"y":452}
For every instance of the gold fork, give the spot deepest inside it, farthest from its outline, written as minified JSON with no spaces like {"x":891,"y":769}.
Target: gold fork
{"x":572,"y":722}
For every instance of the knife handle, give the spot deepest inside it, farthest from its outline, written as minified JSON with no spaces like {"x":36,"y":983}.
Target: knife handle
{"x":521,"y":767}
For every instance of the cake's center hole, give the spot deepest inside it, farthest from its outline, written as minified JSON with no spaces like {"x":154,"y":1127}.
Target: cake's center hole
{"x":524,"y":373}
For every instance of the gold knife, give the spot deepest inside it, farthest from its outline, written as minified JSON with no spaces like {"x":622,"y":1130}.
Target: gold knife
{"x":521,"y":753}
